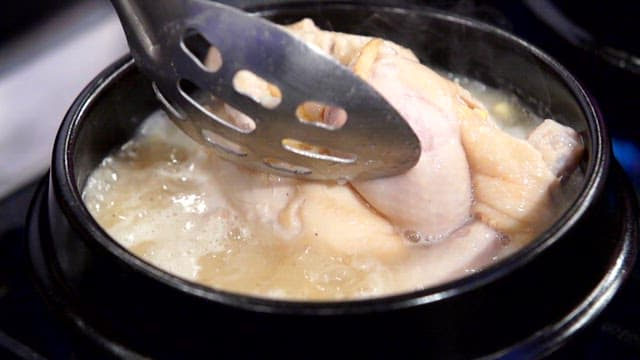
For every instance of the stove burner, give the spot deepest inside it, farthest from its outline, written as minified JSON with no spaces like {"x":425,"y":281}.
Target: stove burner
{"x":28,"y":330}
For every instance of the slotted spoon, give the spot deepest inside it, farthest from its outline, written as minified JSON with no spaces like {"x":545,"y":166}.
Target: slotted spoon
{"x":374,"y":142}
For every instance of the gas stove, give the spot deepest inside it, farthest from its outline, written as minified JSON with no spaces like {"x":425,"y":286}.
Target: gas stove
{"x":606,"y":65}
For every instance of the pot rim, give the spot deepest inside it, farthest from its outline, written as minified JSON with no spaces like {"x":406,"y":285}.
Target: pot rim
{"x":539,"y":344}
{"x":70,"y":199}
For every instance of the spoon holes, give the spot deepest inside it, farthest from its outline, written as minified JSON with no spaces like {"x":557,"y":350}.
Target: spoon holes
{"x":286,"y":167}
{"x":216,"y":109}
{"x":322,"y":115}
{"x":173,"y":110}
{"x":318,"y":152}
{"x":223,"y":143}
{"x":201,"y":51}
{"x":257,"y":89}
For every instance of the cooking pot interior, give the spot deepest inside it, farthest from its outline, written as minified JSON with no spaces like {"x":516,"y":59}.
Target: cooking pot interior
{"x":447,"y":43}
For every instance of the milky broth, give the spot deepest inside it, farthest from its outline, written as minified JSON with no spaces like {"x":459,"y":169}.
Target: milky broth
{"x":160,"y":196}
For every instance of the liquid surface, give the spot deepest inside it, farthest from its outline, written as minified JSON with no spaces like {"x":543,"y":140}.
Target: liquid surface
{"x":158,"y":197}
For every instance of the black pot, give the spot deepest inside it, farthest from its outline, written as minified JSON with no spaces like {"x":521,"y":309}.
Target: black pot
{"x":527,"y":305}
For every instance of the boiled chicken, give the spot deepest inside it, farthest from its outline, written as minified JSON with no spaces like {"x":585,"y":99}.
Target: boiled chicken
{"x":463,"y":151}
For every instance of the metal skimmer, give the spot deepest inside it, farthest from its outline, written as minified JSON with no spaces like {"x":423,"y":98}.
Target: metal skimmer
{"x":374,"y":142}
